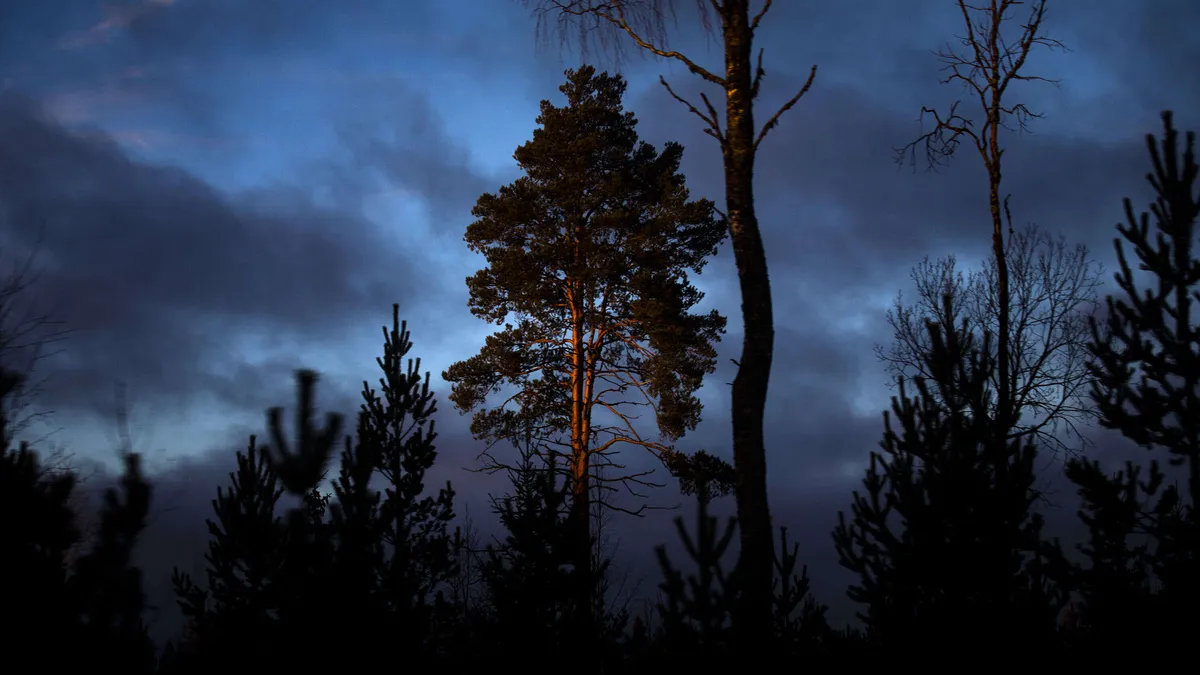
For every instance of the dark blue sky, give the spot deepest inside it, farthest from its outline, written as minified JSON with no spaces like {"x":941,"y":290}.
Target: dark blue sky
{"x":230,"y":189}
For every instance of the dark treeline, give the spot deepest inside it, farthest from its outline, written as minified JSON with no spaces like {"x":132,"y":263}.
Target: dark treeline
{"x":588,"y":260}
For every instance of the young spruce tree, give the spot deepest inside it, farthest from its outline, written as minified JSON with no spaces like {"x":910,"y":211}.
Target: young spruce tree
{"x":232,"y":614}
{"x":63,"y":616}
{"x":37,"y":529}
{"x":941,"y":545}
{"x":396,"y":438}
{"x":527,"y":575}
{"x":1147,"y":369}
{"x":106,"y":587}
{"x":588,"y":255}
{"x":358,"y":568}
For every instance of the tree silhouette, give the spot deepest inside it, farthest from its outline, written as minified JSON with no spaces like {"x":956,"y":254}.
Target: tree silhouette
{"x":942,"y":541}
{"x":106,"y":587}
{"x":232,"y":614}
{"x":1119,"y":606}
{"x":69,"y":615}
{"x":1147,"y":370}
{"x":1053,"y":290}
{"x":696,"y":610}
{"x":38,"y":529}
{"x":355,"y":566}
{"x":645,"y":23}
{"x":396,"y":434}
{"x":529,"y":575}
{"x":588,"y":253}
{"x":990,"y":64}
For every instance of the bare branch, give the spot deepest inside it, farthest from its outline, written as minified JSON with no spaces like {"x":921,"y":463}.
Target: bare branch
{"x":986,"y":69}
{"x":28,"y":336}
{"x":713,"y":123}
{"x":643,"y":22}
{"x":1053,"y":292}
{"x":758,"y":17}
{"x":774,"y":121}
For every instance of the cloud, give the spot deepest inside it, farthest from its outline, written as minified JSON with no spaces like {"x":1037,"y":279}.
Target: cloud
{"x":116,"y":18}
{"x":414,"y":152}
{"x":172,"y":285}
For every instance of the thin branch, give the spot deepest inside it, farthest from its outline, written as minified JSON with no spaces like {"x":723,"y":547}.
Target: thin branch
{"x":774,"y":121}
{"x":619,"y":20}
{"x":758,"y":17}
{"x":714,"y":125}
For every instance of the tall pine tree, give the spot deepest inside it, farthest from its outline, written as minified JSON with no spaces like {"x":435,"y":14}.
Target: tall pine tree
{"x":588,"y":254}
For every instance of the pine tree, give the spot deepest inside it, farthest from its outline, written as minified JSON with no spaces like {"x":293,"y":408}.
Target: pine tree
{"x":799,"y":623}
{"x":589,"y":254}
{"x":232,"y":612}
{"x":37,"y":529}
{"x":356,"y":566}
{"x":396,"y":437}
{"x":1115,"y":584}
{"x":67,"y":616}
{"x":311,"y":608}
{"x":1147,"y":370}
{"x":942,"y":545}
{"x":106,"y":588}
{"x":697,"y":609}
{"x":529,"y":575}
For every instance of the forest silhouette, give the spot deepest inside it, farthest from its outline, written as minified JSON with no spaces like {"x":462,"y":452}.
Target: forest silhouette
{"x":591,"y":250}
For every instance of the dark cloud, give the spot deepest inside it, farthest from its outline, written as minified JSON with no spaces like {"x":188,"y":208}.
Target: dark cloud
{"x":413,"y":153}
{"x":159,"y":274}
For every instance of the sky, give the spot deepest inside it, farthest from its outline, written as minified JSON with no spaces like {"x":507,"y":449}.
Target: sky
{"x":222,"y":191}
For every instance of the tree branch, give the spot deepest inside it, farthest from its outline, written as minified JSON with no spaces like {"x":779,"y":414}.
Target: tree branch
{"x":714,"y":124}
{"x":758,"y":17}
{"x":771,"y":123}
{"x":605,"y":11}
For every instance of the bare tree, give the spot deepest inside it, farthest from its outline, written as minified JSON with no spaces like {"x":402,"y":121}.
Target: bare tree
{"x":1053,"y":292}
{"x":610,"y":22}
{"x":613,"y":595}
{"x":469,"y":560}
{"x":28,"y":335}
{"x":988,"y":66}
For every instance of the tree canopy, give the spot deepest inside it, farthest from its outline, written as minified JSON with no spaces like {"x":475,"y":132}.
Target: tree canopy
{"x":588,"y":256}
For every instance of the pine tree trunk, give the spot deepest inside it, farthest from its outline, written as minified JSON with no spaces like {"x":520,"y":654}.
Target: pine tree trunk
{"x":581,"y":515}
{"x":580,"y":472}
{"x":755,"y":567}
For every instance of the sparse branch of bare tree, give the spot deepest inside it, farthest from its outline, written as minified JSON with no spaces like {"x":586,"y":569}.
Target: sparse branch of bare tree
{"x":643,"y":21}
{"x":774,"y":121}
{"x":987,"y":66}
{"x":986,"y":71}
{"x":713,"y":124}
{"x":1054,"y":291}
{"x":28,"y":336}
